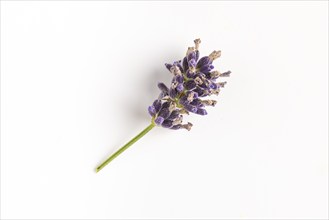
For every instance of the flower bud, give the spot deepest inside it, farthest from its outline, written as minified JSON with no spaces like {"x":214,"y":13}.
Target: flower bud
{"x":168,"y":66}
{"x":209,"y":102}
{"x":197,"y":43}
{"x":204,"y":61}
{"x":189,"y":85}
{"x":189,"y":51}
{"x":174,"y":114}
{"x":172,"y":93}
{"x":180,"y":87}
{"x":159,"y":120}
{"x":201,"y":111}
{"x":221,"y":84}
{"x":225,"y":74}
{"x":167,"y":123}
{"x":214,"y":55}
{"x":163,"y":87}
{"x":164,"y":113}
{"x":157,"y":105}
{"x":151,"y":110}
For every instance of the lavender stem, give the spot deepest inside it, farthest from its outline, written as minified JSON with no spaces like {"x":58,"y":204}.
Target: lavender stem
{"x":126,"y":146}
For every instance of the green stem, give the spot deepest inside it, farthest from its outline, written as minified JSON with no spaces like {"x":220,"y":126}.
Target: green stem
{"x":125,"y":147}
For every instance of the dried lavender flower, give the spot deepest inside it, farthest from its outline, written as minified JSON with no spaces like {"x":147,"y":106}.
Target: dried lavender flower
{"x":193,"y":79}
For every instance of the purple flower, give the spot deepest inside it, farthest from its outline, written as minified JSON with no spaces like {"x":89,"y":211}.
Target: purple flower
{"x":201,"y":111}
{"x":163,"y":88}
{"x":193,"y":79}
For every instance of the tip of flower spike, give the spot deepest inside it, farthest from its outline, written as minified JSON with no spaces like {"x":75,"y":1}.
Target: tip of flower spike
{"x":215,"y":54}
{"x":225,"y":74}
{"x":197,"y":43}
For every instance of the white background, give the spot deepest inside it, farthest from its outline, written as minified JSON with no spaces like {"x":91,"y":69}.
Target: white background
{"x":76,"y":80}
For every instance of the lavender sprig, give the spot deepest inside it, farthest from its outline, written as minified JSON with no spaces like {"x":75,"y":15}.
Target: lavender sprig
{"x":193,"y":79}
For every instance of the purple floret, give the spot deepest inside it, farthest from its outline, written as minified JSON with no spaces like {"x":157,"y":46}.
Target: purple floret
{"x":159,"y":120}
{"x":193,"y":79}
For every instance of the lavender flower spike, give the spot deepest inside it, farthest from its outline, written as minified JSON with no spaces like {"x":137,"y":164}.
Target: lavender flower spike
{"x":193,"y":79}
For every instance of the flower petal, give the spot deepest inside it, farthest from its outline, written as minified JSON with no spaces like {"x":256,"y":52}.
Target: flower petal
{"x":159,"y":120}
{"x":151,"y":110}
